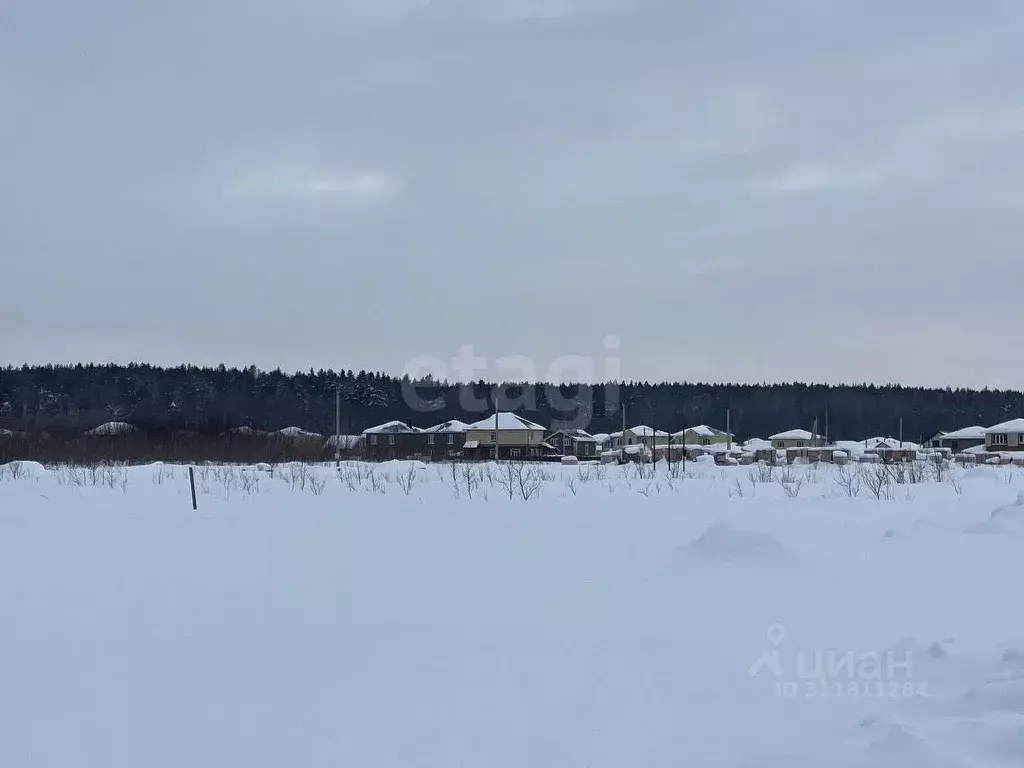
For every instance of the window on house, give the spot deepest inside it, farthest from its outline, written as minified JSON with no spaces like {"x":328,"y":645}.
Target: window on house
{"x":492,"y":435}
{"x":705,"y":441}
{"x":430,"y":439}
{"x":373,"y":439}
{"x":514,"y":453}
{"x":999,"y":439}
{"x":391,"y":439}
{"x":799,"y":443}
{"x":451,"y":439}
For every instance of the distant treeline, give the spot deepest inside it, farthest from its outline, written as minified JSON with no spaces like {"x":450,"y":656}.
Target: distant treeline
{"x":64,"y":401}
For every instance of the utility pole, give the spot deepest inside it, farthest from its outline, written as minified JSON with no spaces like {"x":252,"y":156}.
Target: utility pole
{"x":728,"y":427}
{"x":497,"y":434}
{"x":622,"y":436}
{"x":901,"y":431}
{"x":337,"y":426}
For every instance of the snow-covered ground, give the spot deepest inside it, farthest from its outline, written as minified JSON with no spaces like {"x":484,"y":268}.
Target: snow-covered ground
{"x":309,"y":618}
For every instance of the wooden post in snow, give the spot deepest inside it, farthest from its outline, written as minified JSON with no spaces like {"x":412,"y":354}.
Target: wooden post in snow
{"x":337,"y":427}
{"x":192,"y":484}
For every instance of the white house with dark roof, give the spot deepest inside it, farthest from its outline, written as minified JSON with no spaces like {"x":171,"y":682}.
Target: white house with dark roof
{"x":1007,"y":436}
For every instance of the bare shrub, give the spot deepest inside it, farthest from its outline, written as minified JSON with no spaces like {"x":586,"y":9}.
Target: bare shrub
{"x":848,"y":478}
{"x":956,"y":484}
{"x":879,"y":481}
{"x":379,"y":481}
{"x":16,"y":470}
{"x":471,"y":478}
{"x":316,"y":484}
{"x":529,"y":480}
{"x":407,"y":479}
{"x":249,"y":482}
{"x":505,"y":478}
{"x":791,"y":484}
{"x":938,"y":468}
{"x":762,"y":473}
{"x":571,"y":483}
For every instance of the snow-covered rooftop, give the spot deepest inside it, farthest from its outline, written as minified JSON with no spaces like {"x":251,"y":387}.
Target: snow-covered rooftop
{"x":575,"y":434}
{"x":703,"y":430}
{"x":601,"y":436}
{"x":967,"y":433}
{"x":891,"y":443}
{"x":506,"y":420}
{"x":449,"y":426}
{"x":112,"y":428}
{"x":793,"y":434}
{"x":1014,"y":425}
{"x":297,"y":433}
{"x":757,"y":444}
{"x":392,"y":428}
{"x":644,"y":431}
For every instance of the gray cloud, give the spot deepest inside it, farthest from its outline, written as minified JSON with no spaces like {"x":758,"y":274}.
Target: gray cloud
{"x":804,"y":189}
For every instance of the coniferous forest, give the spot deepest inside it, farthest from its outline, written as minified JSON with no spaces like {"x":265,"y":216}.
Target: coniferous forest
{"x":67,"y":400}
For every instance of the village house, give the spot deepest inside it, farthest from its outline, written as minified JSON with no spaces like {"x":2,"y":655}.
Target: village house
{"x":795,"y":438}
{"x":515,"y":436}
{"x":1007,"y":436}
{"x":640,"y":435}
{"x":701,"y":435}
{"x":445,"y":441}
{"x":573,"y":442}
{"x":393,"y":440}
{"x":961,"y":439}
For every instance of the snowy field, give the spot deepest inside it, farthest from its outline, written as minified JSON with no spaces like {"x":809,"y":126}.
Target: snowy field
{"x":416,"y":616}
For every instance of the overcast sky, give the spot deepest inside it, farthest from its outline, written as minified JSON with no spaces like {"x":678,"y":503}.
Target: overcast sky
{"x":827,"y":190}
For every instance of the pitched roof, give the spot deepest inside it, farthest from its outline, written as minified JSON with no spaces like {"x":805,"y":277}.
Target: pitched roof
{"x":576,"y":434}
{"x":1014,"y":425}
{"x":701,"y":429}
{"x":297,"y":432}
{"x":506,"y":420}
{"x":793,"y":434}
{"x":449,"y":426}
{"x":967,"y":433}
{"x":112,"y":428}
{"x":643,"y":430}
{"x":392,"y":428}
